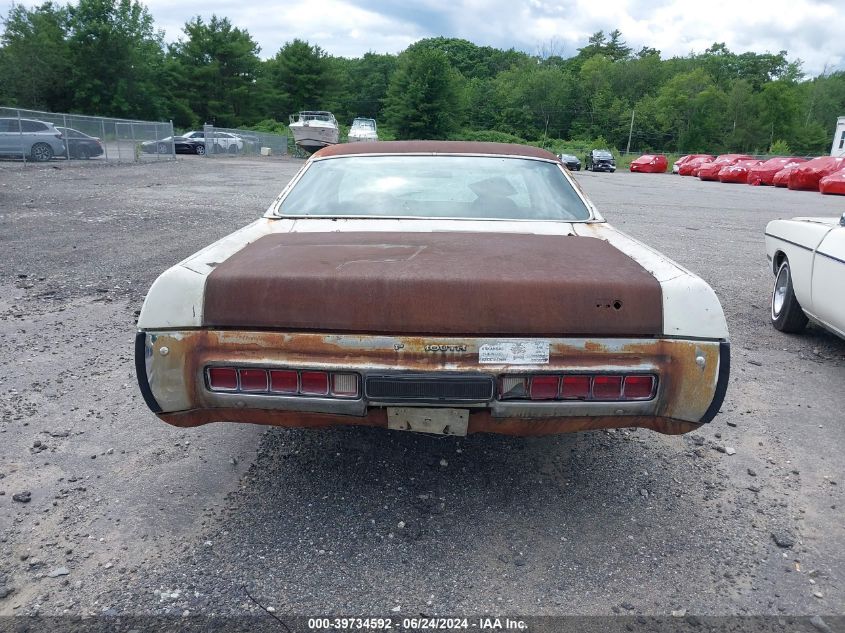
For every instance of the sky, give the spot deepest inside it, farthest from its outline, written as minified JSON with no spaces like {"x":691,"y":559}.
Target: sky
{"x":812,"y":30}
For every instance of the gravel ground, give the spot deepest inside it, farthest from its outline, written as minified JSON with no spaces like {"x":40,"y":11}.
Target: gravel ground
{"x":128,"y":515}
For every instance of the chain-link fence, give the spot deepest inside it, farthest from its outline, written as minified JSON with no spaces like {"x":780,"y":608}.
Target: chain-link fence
{"x":30,"y":135}
{"x":224,"y":141}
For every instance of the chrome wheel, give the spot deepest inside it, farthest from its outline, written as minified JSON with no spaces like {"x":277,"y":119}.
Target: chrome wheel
{"x":780,"y":290}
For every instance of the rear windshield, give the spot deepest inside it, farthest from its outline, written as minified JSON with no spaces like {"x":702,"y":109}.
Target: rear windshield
{"x":466,"y":187}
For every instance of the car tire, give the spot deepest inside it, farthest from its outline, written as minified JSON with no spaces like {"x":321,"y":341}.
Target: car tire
{"x":163,"y":148}
{"x":41,"y":152}
{"x":787,"y":314}
{"x":83,"y":153}
{"x":233,"y":149}
{"x":200,"y":150}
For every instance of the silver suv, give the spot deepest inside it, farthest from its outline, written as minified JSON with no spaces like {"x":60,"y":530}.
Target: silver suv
{"x":36,"y":140}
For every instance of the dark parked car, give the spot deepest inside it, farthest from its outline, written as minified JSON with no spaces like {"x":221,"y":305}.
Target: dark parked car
{"x":181,"y":145}
{"x":600,"y":160}
{"x":79,"y":144}
{"x":572,"y":163}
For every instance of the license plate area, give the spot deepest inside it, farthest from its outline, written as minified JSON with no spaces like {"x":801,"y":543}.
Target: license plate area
{"x":440,"y":421}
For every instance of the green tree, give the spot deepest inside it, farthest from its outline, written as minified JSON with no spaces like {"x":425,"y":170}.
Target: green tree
{"x":423,"y":98}
{"x":301,"y":75}
{"x":116,"y":58}
{"x":214,"y":72}
{"x":34,"y":60}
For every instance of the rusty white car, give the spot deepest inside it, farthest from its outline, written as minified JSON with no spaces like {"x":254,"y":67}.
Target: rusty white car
{"x":807,"y":256}
{"x":441,"y":287}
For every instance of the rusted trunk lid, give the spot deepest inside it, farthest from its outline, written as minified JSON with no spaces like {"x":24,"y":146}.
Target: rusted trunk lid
{"x":434,"y":283}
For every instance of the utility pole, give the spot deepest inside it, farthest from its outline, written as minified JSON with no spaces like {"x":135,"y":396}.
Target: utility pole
{"x":630,"y":132}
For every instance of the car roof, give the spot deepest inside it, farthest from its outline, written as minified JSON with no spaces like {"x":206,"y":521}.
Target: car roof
{"x":435,"y":147}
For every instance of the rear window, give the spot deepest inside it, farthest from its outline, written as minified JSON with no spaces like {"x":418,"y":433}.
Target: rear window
{"x":465,"y":187}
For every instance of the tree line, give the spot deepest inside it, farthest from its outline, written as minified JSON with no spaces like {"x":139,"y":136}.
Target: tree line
{"x":106,"y":57}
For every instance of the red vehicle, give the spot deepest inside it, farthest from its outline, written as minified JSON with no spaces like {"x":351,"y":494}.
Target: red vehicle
{"x":833,"y":183}
{"x":676,"y":166}
{"x":710,"y":171}
{"x":689,"y":167}
{"x":738,"y":172}
{"x":650,"y":164}
{"x":806,"y":177}
{"x":781,"y":178}
{"x":764,"y":172}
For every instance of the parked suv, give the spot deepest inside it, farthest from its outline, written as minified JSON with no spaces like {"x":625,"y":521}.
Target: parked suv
{"x":36,"y":140}
{"x":600,"y":160}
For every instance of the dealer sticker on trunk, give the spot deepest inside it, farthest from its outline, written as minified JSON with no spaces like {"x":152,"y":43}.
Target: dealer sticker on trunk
{"x":514,"y":352}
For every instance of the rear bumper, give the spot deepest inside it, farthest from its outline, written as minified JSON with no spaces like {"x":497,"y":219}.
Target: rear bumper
{"x":692,"y":379}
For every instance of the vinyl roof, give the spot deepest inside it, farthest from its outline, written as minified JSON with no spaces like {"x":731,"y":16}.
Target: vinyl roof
{"x":434,"y":147}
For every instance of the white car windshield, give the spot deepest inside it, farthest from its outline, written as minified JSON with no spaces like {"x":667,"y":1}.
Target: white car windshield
{"x":465,"y":187}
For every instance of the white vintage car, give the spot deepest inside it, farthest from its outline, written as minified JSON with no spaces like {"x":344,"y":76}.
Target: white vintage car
{"x":440,"y":287}
{"x":808,"y":259}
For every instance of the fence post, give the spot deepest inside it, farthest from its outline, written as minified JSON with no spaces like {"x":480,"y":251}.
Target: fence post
{"x":134,"y":148}
{"x":105,"y":145}
{"x":20,"y":138}
{"x":67,"y":137}
{"x":172,"y":142}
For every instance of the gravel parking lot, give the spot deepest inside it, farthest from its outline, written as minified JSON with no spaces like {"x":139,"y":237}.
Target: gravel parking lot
{"x":128,"y":515}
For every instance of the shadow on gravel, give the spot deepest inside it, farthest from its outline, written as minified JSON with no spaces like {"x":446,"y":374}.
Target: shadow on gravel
{"x":363,"y":518}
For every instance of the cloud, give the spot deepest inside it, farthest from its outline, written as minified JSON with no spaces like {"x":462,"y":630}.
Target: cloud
{"x":807,"y":29}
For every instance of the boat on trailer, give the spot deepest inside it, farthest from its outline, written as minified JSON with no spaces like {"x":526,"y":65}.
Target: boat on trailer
{"x":314,"y":129}
{"x":363,"y":130}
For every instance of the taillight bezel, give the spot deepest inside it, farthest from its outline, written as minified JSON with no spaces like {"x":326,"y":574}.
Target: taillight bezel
{"x":525,"y":395}
{"x":270,"y":391}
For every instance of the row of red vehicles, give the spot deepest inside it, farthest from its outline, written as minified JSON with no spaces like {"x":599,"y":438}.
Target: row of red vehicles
{"x":825,"y":173}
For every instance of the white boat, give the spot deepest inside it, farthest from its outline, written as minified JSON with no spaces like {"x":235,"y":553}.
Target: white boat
{"x":314,"y":129}
{"x":363,"y":130}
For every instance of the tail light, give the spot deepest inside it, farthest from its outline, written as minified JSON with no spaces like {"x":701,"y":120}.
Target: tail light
{"x":544,"y":387}
{"x":290,"y":382}
{"x":253,"y":380}
{"x":607,"y":387}
{"x":314,"y":383}
{"x":638,"y":387}
{"x":223,"y":378}
{"x":600,"y":387}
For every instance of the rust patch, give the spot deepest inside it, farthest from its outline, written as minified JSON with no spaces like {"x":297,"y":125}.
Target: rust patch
{"x":479,"y":422}
{"x":686,"y":384}
{"x":438,"y":282}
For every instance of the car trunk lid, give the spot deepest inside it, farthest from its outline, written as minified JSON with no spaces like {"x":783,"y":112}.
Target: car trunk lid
{"x":434,"y":283}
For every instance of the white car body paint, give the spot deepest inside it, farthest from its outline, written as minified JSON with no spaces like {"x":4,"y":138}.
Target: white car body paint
{"x":815,"y":248}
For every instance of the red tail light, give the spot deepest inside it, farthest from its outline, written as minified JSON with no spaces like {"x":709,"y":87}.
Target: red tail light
{"x":223,"y":378}
{"x":607,"y":387}
{"x":544,"y":387}
{"x":602,"y":387}
{"x":638,"y":388}
{"x":284,"y":381}
{"x":290,"y":382}
{"x":314,"y":383}
{"x":575,"y":388}
{"x":253,"y":380}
